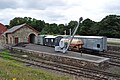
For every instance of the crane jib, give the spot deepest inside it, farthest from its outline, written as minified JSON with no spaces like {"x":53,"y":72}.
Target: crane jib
{"x":71,"y":37}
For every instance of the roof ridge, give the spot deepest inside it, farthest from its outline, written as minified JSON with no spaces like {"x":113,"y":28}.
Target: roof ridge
{"x":14,"y":28}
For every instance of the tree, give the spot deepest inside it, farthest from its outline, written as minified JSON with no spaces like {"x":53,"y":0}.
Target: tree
{"x":95,"y":29}
{"x":71,"y":25}
{"x":16,"y":21}
{"x":110,"y":26}
{"x":54,"y":28}
{"x":45,"y":30}
{"x":61,"y":29}
{"x":36,"y":24}
{"x":86,"y":27}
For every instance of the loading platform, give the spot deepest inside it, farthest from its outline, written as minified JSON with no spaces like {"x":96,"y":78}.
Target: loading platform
{"x":69,"y":58}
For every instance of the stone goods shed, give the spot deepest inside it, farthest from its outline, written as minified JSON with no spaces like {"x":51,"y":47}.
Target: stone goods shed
{"x":21,"y":33}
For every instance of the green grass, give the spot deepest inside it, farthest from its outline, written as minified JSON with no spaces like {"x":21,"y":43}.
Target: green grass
{"x":5,"y":54}
{"x":13,"y":70}
{"x":118,"y":43}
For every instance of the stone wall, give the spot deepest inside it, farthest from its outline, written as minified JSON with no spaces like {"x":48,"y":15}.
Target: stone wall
{"x":2,"y":41}
{"x":22,"y":34}
{"x":59,"y":58}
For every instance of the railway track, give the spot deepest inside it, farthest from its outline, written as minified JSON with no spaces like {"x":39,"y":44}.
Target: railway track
{"x":85,"y":72}
{"x":109,"y":55}
{"x":114,"y":58}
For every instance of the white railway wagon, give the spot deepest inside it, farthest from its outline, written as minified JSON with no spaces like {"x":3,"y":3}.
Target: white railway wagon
{"x":95,"y":43}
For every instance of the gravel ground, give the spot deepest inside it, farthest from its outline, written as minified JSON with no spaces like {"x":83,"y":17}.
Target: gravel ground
{"x":69,"y":53}
{"x":113,"y":69}
{"x":72,"y":77}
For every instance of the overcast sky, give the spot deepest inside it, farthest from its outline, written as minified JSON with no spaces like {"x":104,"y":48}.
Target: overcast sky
{"x":58,"y":11}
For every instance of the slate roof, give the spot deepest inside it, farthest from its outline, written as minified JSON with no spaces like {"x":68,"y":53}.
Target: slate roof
{"x":15,"y":28}
{"x":11,"y":30}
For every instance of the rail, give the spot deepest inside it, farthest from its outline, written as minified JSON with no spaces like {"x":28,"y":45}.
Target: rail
{"x":81,"y":71}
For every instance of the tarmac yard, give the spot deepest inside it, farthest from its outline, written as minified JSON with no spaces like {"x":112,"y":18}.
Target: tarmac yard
{"x":76,"y":55}
{"x":71,"y":58}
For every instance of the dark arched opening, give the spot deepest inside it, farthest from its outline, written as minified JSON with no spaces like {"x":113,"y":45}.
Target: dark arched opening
{"x":31,"y":38}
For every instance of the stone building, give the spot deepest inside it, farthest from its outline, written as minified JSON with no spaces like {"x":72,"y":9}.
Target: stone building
{"x":2,"y":28}
{"x":21,"y":33}
{"x":2,"y":37}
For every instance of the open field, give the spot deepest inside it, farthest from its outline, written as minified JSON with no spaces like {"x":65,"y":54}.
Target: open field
{"x":13,"y":70}
{"x":113,"y":41}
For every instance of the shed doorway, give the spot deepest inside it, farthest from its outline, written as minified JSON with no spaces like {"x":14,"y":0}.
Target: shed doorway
{"x":31,"y":38}
{"x":16,"y":40}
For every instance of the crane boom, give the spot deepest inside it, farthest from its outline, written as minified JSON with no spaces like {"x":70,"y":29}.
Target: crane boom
{"x":71,"y":37}
{"x":62,"y":47}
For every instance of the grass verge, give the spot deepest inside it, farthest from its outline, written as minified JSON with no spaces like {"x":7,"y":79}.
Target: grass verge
{"x":116,"y":43}
{"x":13,"y":70}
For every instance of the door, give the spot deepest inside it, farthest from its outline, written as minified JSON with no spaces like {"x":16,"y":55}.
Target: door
{"x":31,"y":38}
{"x":16,"y":40}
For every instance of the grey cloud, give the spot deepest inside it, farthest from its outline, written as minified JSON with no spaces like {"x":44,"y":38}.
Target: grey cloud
{"x":53,"y":16}
{"x":31,"y":4}
{"x":43,"y":4}
{"x":4,"y":21}
{"x":112,"y":7}
{"x":56,"y":17}
{"x":7,"y":4}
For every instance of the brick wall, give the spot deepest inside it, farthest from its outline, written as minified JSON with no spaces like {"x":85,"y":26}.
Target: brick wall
{"x":2,"y":28}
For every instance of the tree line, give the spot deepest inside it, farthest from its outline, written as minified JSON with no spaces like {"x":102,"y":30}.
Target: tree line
{"x":108,"y":26}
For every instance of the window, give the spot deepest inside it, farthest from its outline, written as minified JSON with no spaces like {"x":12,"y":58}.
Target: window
{"x":51,"y":40}
{"x":98,"y":45}
{"x":46,"y":40}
